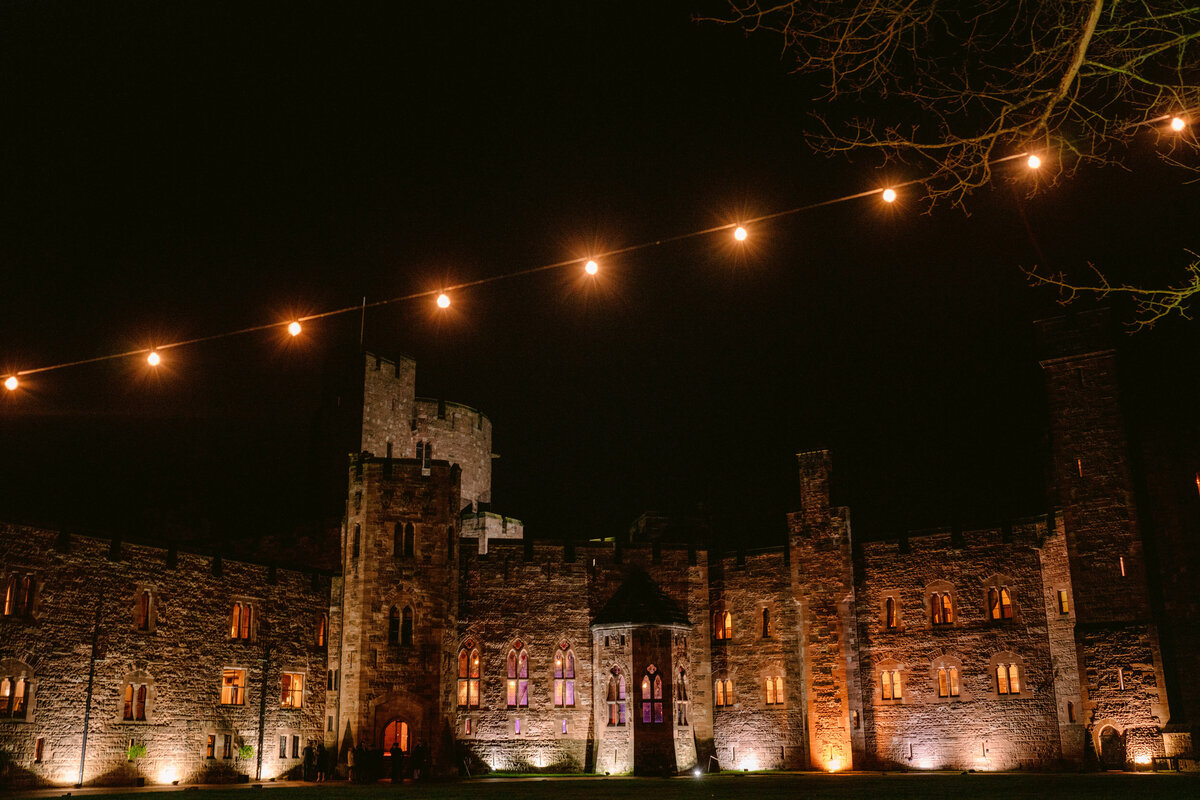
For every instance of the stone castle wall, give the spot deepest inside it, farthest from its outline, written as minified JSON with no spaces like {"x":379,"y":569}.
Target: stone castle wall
{"x":981,"y":728}
{"x":749,"y":733}
{"x":81,"y":582}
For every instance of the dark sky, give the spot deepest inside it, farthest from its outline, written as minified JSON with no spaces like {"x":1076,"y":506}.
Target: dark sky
{"x":171,"y":170}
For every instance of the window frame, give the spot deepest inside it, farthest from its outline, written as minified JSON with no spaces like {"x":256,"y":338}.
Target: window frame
{"x":470,"y":675}
{"x":237,"y":691}
{"x":291,"y":695}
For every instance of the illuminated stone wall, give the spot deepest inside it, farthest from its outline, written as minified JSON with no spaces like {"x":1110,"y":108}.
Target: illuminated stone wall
{"x":382,"y":681}
{"x":543,"y":595}
{"x":749,"y":733}
{"x":80,"y":580}
{"x":394,"y":420}
{"x":981,"y":728}
{"x":1120,"y":663}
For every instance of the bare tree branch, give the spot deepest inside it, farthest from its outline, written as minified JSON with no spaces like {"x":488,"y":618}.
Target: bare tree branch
{"x":954,"y":87}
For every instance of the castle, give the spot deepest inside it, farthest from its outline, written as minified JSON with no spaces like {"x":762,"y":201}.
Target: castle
{"x":1057,"y":639}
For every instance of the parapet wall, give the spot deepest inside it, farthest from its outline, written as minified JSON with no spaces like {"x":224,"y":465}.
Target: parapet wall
{"x":179,"y":655}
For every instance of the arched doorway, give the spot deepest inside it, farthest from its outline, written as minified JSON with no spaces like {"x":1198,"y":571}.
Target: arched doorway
{"x":1112,"y":749}
{"x":396,"y":732}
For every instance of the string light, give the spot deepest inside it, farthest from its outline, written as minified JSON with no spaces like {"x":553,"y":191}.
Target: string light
{"x":11,"y":383}
{"x":1178,"y":124}
{"x":443,"y":299}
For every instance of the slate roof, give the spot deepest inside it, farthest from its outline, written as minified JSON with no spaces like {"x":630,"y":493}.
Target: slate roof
{"x":640,"y":601}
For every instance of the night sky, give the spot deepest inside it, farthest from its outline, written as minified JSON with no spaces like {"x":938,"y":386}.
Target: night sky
{"x":172,"y":170}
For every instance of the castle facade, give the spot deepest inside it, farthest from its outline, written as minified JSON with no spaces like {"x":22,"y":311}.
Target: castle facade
{"x":1051,"y":640}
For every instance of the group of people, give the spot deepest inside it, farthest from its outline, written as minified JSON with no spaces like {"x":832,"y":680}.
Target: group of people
{"x":404,"y":765}
{"x":318,"y":762}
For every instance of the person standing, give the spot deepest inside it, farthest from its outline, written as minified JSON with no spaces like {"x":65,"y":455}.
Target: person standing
{"x":310,"y":761}
{"x":397,"y":763}
{"x":322,"y":758}
{"x":350,"y":765}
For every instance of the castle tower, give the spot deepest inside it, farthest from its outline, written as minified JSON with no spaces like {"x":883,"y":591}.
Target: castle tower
{"x":1120,"y":664}
{"x":823,"y":582}
{"x":394,"y":614}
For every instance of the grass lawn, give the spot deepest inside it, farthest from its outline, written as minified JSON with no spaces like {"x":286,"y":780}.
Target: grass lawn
{"x":753,"y":787}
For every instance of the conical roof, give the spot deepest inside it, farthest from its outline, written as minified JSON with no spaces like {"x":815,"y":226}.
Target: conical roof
{"x":640,"y":601}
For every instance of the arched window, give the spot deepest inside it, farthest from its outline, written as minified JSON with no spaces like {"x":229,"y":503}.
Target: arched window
{"x":406,"y":626}
{"x":891,"y":619}
{"x":941,"y":608}
{"x":518,"y":676}
{"x":947,"y":682}
{"x":564,"y":676}
{"x":616,"y":697}
{"x":891,"y":685}
{"x":142,"y":614}
{"x":652,"y":689}
{"x":357,"y":539}
{"x":322,"y":629}
{"x":396,"y":733}
{"x":723,"y":692}
{"x":139,"y":703}
{"x":468,"y":676}
{"x":27,"y":586}
{"x":722,"y":625}
{"x":774,"y":690}
{"x":10,"y":596}
{"x":240,"y":618}
{"x":394,"y":626}
{"x":127,"y":714}
{"x":681,"y":698}
{"x":410,"y":537}
{"x":766,"y":622}
{"x":1008,"y":679}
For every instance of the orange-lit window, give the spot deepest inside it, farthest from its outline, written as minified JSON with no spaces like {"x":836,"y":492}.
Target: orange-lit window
{"x":947,"y":682}
{"x":468,"y":676}
{"x":518,"y":677}
{"x":1008,"y":680}
{"x":10,"y":596}
{"x":724,"y":692}
{"x":891,"y":619}
{"x":292,"y":694}
{"x":616,"y":697}
{"x":233,"y":687}
{"x":941,"y":608}
{"x":564,"y":676}
{"x":210,"y":749}
{"x":766,"y":622}
{"x":1064,"y":603}
{"x":143,"y":612}
{"x":396,"y":733}
{"x":891,"y":685}
{"x":723,"y":625}
{"x":1121,"y":560}
{"x":38,"y":749}
{"x":322,"y":625}
{"x":1121,"y":678}
{"x":240,"y":619}
{"x":774,"y":691}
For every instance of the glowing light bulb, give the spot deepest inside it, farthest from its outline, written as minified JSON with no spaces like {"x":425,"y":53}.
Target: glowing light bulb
{"x":889,"y":195}
{"x":591,"y":267}
{"x":740,"y":234}
{"x":153,"y":359}
{"x":1177,"y":123}
{"x":294,"y":328}
{"x":697,"y":772}
{"x":443,"y":300}
{"x":11,"y":383}
{"x":1034,"y":162}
